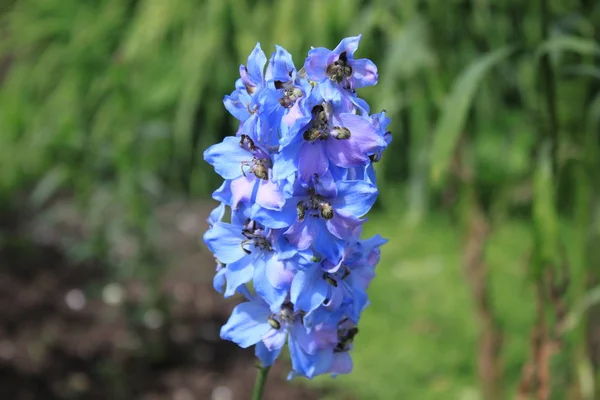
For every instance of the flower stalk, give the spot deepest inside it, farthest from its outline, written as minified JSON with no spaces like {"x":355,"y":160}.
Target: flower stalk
{"x":261,"y":380}
{"x":298,"y":180}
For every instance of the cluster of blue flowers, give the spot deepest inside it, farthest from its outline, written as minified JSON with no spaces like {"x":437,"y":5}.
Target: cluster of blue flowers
{"x":299,"y":177}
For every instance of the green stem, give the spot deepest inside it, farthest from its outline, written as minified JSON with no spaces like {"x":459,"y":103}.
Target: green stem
{"x":259,"y":385}
{"x":549,"y":87}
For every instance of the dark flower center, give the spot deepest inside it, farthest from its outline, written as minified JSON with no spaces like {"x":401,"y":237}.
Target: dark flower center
{"x":285,"y":316}
{"x":255,"y":236}
{"x":318,"y":127}
{"x":339,"y":275}
{"x":257,"y":166}
{"x":260,"y":163}
{"x":339,"y":69}
{"x":341,"y":133}
{"x":345,"y":338}
{"x":291,"y":93}
{"x":316,"y":206}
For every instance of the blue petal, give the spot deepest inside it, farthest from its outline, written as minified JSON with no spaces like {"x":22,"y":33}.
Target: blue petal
{"x":355,"y":197}
{"x":276,"y":219}
{"x":303,"y":233}
{"x":247,"y":325}
{"x":329,"y":246}
{"x":321,"y":361}
{"x":223,"y":193}
{"x":280,"y":65}
{"x":219,"y":280}
{"x":303,"y":363}
{"x":330,"y":92}
{"x":256,"y":64}
{"x":274,"y":296}
{"x":348,"y":45}
{"x":228,"y":157}
{"x":238,"y":274}
{"x":341,"y":364}
{"x":285,"y":163}
{"x":237,"y":104}
{"x":275,"y":338}
{"x":309,"y":289}
{"x":269,"y":196}
{"x":316,"y":63}
{"x":364,"y":72}
{"x":343,"y":225}
{"x":266,"y":357}
{"x":312,"y":160}
{"x":216,"y":215}
{"x":363,"y":141}
{"x":224,"y":240}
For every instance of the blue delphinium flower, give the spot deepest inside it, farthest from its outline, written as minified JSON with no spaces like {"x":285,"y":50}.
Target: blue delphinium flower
{"x":298,"y":180}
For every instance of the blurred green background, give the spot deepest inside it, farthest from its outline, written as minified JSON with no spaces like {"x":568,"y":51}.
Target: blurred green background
{"x":489,"y":286}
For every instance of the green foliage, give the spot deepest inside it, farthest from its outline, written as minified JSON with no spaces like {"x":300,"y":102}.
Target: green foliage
{"x":455,"y":112}
{"x":112,"y":102}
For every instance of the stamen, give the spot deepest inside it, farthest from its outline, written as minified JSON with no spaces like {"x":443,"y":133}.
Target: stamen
{"x":301,"y":210}
{"x":330,"y":280}
{"x":339,"y":69}
{"x":341,"y":133}
{"x":326,"y":210}
{"x":274,"y":323}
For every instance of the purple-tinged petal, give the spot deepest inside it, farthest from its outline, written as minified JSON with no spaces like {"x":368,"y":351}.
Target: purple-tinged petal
{"x":247,"y":324}
{"x":300,"y":234}
{"x":341,"y":364}
{"x":364,"y":72}
{"x":274,"y":338}
{"x":316,"y":63}
{"x":269,"y":196}
{"x":312,"y":160}
{"x":242,"y":190}
{"x":296,"y":118}
{"x":325,"y":185}
{"x":363,"y":141}
{"x":277,"y":274}
{"x":342,"y":225}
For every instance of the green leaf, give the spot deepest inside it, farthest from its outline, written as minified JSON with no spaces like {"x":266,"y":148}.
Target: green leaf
{"x":455,"y":111}
{"x":48,"y":186}
{"x":583,"y":70}
{"x":545,"y":217}
{"x":589,"y":300}
{"x":568,"y":43}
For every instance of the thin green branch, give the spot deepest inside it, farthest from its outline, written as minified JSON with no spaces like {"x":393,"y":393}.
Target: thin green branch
{"x":259,"y":385}
{"x":549,"y":88}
